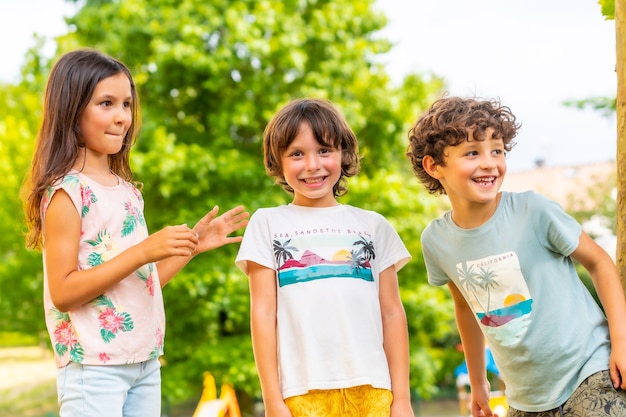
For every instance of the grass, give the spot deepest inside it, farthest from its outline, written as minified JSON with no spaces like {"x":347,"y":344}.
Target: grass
{"x":27,"y":382}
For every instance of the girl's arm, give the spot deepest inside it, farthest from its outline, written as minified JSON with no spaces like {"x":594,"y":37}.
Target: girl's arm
{"x":473,"y":343}
{"x":70,"y":287}
{"x":212,"y":233}
{"x":396,"y":342}
{"x":263,"y":310}
{"x":607,"y":283}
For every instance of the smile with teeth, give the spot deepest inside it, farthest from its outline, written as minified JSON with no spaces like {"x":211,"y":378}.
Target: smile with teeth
{"x":315,"y":180}
{"x":485,"y":180}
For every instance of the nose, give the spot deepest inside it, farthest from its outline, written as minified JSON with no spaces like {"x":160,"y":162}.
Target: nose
{"x":312,"y":162}
{"x":123,"y":115}
{"x":488,"y":161}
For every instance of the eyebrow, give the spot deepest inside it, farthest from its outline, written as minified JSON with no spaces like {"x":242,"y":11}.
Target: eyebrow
{"x":112,"y":97}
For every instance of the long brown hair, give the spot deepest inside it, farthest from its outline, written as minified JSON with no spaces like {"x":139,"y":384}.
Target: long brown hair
{"x":71,"y":84}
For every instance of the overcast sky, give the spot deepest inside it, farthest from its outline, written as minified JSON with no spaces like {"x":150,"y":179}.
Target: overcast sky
{"x":531,"y":54}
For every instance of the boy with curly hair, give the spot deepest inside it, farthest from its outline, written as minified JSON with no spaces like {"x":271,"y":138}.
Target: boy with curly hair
{"x":508,"y":261}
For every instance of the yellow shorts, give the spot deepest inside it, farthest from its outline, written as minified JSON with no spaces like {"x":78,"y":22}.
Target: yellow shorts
{"x":360,"y":401}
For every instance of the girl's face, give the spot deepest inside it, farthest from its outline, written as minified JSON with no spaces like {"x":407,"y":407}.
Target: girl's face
{"x":311,"y":169}
{"x":107,"y":117}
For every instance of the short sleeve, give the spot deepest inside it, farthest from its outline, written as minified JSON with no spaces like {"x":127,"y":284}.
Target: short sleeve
{"x":555,"y":229}
{"x":436,"y":275}
{"x":81,"y":195}
{"x":395,"y":252}
{"x":256,"y":245}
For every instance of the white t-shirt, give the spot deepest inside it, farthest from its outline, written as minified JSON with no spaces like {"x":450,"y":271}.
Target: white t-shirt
{"x":328,"y":262}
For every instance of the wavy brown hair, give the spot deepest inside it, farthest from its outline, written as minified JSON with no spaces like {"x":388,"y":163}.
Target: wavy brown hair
{"x":329,"y":128}
{"x":70,"y":86}
{"x":448,"y":122}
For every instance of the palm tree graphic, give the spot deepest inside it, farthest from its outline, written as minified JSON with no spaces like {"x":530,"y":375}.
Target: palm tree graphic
{"x":487,"y":278}
{"x":471,"y":280}
{"x":360,"y":257}
{"x":367,"y":249}
{"x":282,"y":251}
{"x":356,"y":261}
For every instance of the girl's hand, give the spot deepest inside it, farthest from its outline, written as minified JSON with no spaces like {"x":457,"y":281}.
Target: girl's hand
{"x":177,"y":240}
{"x":213,"y":231}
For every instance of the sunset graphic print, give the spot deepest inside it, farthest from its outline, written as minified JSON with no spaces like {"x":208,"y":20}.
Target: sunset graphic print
{"x":328,"y":256}
{"x":502,"y":307}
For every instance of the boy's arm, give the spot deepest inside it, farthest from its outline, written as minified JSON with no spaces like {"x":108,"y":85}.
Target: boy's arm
{"x":264,"y":337}
{"x":607,"y":283}
{"x":473,"y":343}
{"x":395,"y":342}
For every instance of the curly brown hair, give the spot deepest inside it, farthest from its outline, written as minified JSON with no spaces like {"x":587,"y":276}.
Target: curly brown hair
{"x":447,"y":122}
{"x":329,"y":128}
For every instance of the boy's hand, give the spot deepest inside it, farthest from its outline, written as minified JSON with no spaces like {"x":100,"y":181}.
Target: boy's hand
{"x":617,"y":364}
{"x":480,"y":402}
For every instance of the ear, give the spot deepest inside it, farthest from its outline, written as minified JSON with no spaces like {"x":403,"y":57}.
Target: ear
{"x":431,"y":167}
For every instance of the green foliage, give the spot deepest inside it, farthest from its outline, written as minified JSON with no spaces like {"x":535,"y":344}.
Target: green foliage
{"x":20,"y":270}
{"x":16,"y":339}
{"x":598,"y":200}
{"x":608,"y":8}
{"x":605,"y":105}
{"x":210,"y":75}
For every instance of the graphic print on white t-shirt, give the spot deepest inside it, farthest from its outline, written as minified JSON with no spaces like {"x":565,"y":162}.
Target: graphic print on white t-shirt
{"x":327,"y":256}
{"x":502,"y":306}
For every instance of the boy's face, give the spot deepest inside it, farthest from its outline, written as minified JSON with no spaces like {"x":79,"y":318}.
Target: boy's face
{"x":311,"y":169}
{"x":474,"y":170}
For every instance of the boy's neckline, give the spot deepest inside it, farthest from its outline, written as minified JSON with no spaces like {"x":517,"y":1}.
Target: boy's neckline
{"x":470,"y":221}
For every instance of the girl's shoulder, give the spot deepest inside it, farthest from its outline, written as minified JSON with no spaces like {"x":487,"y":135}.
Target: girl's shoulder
{"x":70,"y":182}
{"x":77,"y":184}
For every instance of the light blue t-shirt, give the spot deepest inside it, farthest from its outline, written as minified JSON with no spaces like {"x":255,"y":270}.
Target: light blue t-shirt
{"x":546,"y":332}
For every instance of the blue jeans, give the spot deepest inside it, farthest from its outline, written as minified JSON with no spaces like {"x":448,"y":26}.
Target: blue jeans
{"x":110,"y":390}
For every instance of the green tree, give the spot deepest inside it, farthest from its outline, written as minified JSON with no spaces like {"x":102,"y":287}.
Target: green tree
{"x":210,"y":75}
{"x":20,"y":270}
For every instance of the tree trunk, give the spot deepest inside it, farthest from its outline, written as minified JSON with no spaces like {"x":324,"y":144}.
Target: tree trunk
{"x":620,"y":47}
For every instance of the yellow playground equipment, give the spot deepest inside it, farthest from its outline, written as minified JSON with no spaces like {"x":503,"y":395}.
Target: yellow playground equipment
{"x":211,"y":406}
{"x":498,"y":404}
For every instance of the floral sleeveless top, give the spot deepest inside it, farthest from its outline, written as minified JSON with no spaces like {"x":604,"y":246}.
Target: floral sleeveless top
{"x":126,"y":324}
